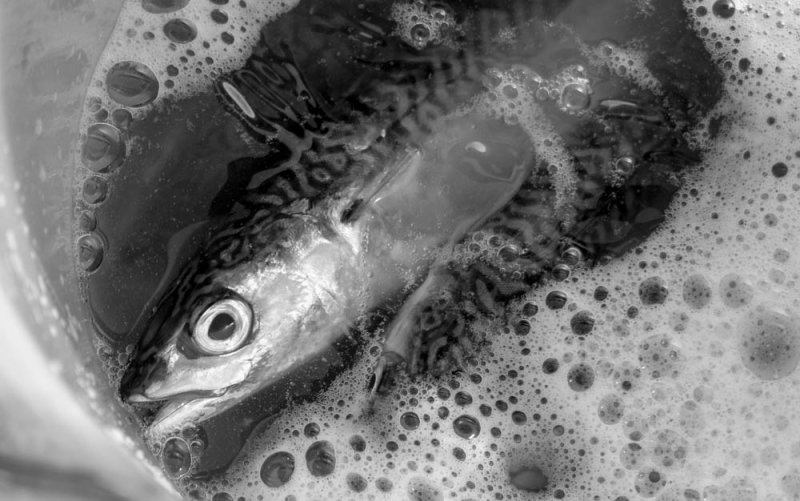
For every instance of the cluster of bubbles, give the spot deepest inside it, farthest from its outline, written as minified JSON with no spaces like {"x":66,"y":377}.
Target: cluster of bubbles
{"x":160,"y":50}
{"x":626,"y":62}
{"x":516,"y":96}
{"x":179,"y":451}
{"x":669,"y":374}
{"x":422,"y":23}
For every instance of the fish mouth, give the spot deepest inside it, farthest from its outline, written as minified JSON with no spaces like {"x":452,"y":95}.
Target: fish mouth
{"x":142,"y":386}
{"x":141,"y":397}
{"x":174,"y":412}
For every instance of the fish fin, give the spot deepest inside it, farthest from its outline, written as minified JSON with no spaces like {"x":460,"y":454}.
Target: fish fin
{"x":428,"y":333}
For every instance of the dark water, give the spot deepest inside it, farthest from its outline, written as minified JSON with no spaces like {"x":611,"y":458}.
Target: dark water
{"x":199,"y":161}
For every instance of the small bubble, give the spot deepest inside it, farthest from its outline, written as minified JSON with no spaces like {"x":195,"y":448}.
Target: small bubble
{"x":522,"y":328}
{"x":441,"y":11}
{"x":648,"y":482}
{"x":131,"y":84}
{"x":723,"y":8}
{"x":90,"y":252}
{"x":466,"y":426}
{"x":420,"y":490}
{"x":658,"y":357}
{"x":95,"y":190}
{"x":163,"y":6}
{"x":624,"y":167}
{"x":635,"y":427}
{"x":493,"y":78}
{"x":356,"y":482}
{"x":580,"y":377}
{"x":601,"y":293}
{"x":572,"y":256}
{"x":735,"y":291}
{"x":176,"y":457}
{"x":582,"y":323}
{"x":550,"y":366}
{"x":321,"y":458}
{"x":632,"y":456}
{"x":420,"y":34}
{"x":87,"y":221}
{"x":122,"y":118}
{"x":459,"y":453}
{"x":611,"y":409}
{"x":691,"y":417}
{"x":409,"y":421}
{"x":219,"y":16}
{"x":530,"y":310}
{"x":575,"y":97}
{"x":227,"y":38}
{"x":653,"y":290}
{"x":383,"y":484}
{"x":463,"y":398}
{"x":744,"y":64}
{"x":561,"y":272}
{"x":510,"y":91}
{"x":556,"y":300}
{"x":668,"y":449}
{"x":779,"y":169}
{"x":696,"y":291}
{"x":528,"y":478}
{"x":103,"y":147}
{"x":180,"y":30}
{"x":277,"y":469}
{"x":626,"y":377}
{"x":358,"y":443}
{"x":101,"y":115}
{"x":311,"y":430}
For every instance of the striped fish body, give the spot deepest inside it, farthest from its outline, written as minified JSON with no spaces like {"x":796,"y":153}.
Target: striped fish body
{"x":377,"y":185}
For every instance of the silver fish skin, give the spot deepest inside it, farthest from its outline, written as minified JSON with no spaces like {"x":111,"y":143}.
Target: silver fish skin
{"x":312,"y":275}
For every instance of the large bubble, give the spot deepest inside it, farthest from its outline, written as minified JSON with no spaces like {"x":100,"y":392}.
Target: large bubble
{"x":770,"y":344}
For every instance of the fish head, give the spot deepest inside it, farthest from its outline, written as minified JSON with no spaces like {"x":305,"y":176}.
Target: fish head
{"x":240,"y":315}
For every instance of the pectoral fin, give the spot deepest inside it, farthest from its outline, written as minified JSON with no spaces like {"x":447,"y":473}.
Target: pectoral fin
{"x":425,"y":333}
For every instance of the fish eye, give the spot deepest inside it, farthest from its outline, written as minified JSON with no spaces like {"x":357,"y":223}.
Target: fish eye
{"x":223,"y":327}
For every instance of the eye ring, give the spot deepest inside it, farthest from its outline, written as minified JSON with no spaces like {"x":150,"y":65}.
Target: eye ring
{"x":223,"y":327}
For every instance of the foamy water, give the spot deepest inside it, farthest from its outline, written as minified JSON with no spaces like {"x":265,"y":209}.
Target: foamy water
{"x":683,"y":383}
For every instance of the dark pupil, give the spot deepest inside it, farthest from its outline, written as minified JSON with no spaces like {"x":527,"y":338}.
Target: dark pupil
{"x":221,"y":327}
